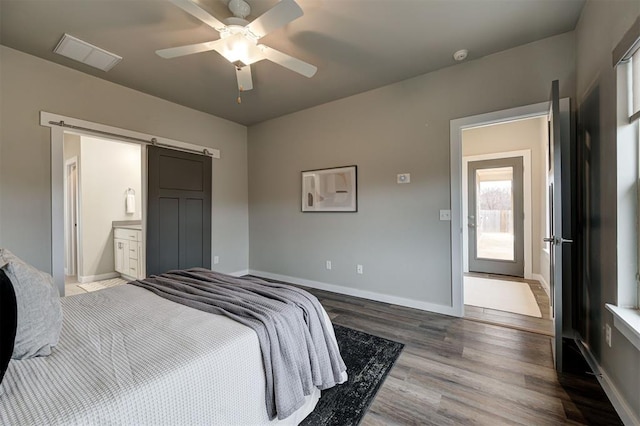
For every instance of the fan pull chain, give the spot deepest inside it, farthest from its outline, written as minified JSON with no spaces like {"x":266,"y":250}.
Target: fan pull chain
{"x":240,"y":90}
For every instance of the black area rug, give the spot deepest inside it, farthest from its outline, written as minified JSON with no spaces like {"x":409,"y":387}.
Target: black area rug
{"x":368,"y":359}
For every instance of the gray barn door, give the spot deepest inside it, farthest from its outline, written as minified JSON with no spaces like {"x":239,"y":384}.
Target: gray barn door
{"x":496,"y":216}
{"x":178,"y":210}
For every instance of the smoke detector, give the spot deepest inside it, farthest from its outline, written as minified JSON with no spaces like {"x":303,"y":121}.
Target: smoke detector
{"x":461,"y":55}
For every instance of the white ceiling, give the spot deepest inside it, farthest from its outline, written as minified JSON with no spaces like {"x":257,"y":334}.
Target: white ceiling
{"x":357,"y":45}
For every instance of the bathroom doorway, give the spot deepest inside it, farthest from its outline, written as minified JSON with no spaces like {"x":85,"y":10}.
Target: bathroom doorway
{"x":102,"y":195}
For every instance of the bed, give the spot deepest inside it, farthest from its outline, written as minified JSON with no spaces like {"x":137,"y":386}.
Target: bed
{"x":127,"y":356}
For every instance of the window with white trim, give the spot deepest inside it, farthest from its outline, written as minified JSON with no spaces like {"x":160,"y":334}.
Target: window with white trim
{"x":626,"y":60}
{"x":626,"y":310}
{"x":634,"y":82}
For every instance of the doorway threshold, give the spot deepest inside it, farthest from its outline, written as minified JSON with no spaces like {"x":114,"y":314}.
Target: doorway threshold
{"x":509,"y":320}
{"x":504,"y":317}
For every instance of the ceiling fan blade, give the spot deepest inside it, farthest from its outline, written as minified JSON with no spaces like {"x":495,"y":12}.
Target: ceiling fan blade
{"x":174,"y":52}
{"x":287,"y":61}
{"x":278,"y":16}
{"x":244,"y":78}
{"x":195,"y":10}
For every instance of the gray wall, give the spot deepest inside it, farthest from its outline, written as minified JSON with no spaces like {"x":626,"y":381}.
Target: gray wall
{"x":400,"y":128}
{"x":29,"y":85}
{"x":600,"y":28}
{"x":102,"y":201}
{"x":72,"y":146}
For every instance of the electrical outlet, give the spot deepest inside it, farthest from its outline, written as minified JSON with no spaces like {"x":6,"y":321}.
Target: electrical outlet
{"x":445,"y":214}
{"x":359,"y":269}
{"x":328,"y":264}
{"x":607,"y":334}
{"x":216,"y":260}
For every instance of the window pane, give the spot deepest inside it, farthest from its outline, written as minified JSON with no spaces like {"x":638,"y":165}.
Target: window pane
{"x":494,"y":195}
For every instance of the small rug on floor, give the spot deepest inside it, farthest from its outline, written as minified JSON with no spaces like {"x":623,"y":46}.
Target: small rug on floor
{"x":101,"y":285}
{"x":368,"y":359}
{"x":502,"y":295}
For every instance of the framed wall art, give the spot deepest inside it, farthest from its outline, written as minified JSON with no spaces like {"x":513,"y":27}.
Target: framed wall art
{"x":330,"y":190}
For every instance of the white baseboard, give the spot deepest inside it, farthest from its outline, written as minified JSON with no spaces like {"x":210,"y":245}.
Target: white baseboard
{"x":100,"y":277}
{"x":379,"y":297}
{"x":239,"y":273}
{"x":621,"y":406}
{"x":545,"y":285}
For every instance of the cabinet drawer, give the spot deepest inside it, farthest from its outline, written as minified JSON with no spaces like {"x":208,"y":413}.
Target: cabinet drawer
{"x":133,"y":267}
{"x":127,"y":234}
{"x":133,"y":251}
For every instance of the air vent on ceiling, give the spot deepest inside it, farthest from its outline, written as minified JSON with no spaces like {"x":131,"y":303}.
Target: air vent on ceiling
{"x":86,"y":53}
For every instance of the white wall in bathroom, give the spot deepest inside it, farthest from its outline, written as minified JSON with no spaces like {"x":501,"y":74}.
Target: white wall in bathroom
{"x":107,"y":169}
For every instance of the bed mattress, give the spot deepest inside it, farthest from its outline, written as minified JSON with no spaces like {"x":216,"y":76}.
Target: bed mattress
{"x":127,"y":356}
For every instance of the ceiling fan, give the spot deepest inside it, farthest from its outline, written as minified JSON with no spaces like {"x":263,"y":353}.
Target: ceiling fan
{"x":238,"y":41}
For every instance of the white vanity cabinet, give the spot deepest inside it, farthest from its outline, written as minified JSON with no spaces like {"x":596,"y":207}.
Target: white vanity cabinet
{"x":128,"y":252}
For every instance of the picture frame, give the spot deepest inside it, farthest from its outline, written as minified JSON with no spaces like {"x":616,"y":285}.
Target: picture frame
{"x":330,"y":190}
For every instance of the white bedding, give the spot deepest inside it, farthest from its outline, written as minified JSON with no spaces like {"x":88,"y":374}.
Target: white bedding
{"x":127,"y":356}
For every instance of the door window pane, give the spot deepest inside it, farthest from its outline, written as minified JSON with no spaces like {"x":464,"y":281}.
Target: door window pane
{"x":494,"y":212}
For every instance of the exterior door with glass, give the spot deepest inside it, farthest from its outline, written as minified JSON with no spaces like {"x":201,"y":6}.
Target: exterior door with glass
{"x":496,"y":216}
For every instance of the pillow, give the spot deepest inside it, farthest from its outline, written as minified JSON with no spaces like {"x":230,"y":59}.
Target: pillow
{"x":39,"y":311}
{"x":9,"y":320}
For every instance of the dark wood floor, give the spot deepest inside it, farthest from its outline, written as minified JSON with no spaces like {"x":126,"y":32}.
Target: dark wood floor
{"x":542,"y":325}
{"x":454,"y":371}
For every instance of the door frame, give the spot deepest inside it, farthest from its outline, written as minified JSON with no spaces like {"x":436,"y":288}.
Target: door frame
{"x":456,"y":127}
{"x":69,"y":231}
{"x":525,"y":154}
{"x":52,"y":121}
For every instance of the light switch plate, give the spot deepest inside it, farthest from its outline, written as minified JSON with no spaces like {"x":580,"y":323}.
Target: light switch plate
{"x":445,"y":214}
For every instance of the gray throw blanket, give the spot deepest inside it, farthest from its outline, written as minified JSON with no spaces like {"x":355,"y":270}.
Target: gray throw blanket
{"x":298,"y":351}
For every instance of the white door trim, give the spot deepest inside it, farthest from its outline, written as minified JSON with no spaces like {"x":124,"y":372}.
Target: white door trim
{"x":72,"y":241}
{"x":456,"y":127}
{"x":525,"y":154}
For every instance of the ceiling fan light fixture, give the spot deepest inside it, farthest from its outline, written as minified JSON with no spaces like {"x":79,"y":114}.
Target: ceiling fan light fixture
{"x":238,"y":47}
{"x":238,"y":41}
